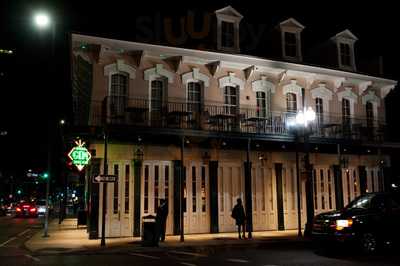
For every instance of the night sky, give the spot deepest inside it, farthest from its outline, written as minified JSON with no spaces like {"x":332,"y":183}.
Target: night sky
{"x":35,"y":88}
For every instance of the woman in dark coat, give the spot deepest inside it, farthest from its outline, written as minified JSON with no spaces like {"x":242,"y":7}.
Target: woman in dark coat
{"x":239,"y":215}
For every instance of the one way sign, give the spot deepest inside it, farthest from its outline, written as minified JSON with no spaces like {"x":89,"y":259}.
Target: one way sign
{"x":105,"y":178}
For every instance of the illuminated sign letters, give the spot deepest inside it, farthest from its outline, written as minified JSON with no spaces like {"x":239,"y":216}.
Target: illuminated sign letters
{"x":79,"y":155}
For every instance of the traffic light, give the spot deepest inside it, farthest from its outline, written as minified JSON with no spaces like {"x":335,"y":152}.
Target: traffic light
{"x":44,"y":176}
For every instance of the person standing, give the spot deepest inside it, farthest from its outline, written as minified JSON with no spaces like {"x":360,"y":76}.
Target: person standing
{"x":161,"y":221}
{"x":240,"y":217}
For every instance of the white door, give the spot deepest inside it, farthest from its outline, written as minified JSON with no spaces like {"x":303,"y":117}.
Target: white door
{"x":289,"y":196}
{"x":374,"y":183}
{"x":264,"y":215}
{"x":324,"y":194}
{"x":119,"y":216}
{"x":230,"y":188}
{"x":351,"y":185}
{"x":196,"y":199}
{"x":157,"y":184}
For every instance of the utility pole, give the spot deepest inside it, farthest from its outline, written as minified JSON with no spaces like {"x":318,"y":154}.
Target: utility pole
{"x":105,"y":170}
{"x":182,"y":238}
{"x":298,"y":187}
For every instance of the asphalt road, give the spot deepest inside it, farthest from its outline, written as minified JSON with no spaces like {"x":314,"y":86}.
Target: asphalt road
{"x":13,"y":253}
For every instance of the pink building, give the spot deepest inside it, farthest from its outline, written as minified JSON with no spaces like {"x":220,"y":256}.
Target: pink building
{"x":229,"y":117}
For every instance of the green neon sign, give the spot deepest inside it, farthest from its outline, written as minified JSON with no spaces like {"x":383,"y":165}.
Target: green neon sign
{"x":79,"y":155}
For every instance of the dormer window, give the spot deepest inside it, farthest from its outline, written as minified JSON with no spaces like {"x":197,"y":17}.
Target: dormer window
{"x":291,"y":39}
{"x":345,"y":54}
{"x":228,"y":20}
{"x":345,"y":50}
{"x":227,"y":34}
{"x":290,"y":44}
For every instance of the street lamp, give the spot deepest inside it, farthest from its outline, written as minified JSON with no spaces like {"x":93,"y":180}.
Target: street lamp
{"x":301,"y":123}
{"x":44,"y":21}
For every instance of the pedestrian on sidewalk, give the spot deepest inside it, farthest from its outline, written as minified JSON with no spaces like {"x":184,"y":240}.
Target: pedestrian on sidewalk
{"x":161,"y":221}
{"x":240,"y":217}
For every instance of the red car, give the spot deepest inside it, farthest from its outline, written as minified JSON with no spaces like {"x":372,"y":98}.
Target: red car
{"x":26,"y":209}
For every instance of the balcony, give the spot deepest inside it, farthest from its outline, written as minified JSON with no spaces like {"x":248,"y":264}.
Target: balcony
{"x":219,"y":118}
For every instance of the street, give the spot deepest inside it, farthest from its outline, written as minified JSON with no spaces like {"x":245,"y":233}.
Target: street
{"x":15,"y":231}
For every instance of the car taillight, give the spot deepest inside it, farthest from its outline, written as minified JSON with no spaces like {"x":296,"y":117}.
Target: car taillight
{"x":18,"y":209}
{"x":32,"y":210}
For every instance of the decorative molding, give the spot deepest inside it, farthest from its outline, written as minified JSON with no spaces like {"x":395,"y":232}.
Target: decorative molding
{"x":119,"y":66}
{"x":213,"y":67}
{"x":324,"y":93}
{"x":137,"y":56}
{"x":263,"y":85}
{"x":231,"y":80}
{"x":371,"y":97}
{"x":174,"y":62}
{"x":196,"y":75}
{"x":347,"y":94}
{"x":248,"y":72}
{"x":385,"y":90}
{"x":345,"y":35}
{"x":292,"y":23}
{"x":160,"y":71}
{"x":293,"y":88}
{"x":321,"y":92}
{"x":230,"y":12}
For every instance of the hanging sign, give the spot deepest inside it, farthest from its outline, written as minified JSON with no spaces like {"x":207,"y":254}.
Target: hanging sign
{"x":79,"y":155}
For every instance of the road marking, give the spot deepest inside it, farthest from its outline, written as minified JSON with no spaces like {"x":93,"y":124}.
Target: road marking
{"x":188,"y":264}
{"x":188,"y":253}
{"x":9,"y":240}
{"x":144,"y":256}
{"x":31,"y":257}
{"x":24,"y":232}
{"x":238,"y":260}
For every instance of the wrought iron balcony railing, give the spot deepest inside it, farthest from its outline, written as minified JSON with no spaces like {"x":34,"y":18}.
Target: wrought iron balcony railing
{"x":217,"y":117}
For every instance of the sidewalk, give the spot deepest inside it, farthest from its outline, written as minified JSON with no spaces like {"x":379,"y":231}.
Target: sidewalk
{"x":66,"y":237}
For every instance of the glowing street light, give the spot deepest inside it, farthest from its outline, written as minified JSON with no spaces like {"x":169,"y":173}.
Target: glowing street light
{"x":42,"y":20}
{"x":300,"y":123}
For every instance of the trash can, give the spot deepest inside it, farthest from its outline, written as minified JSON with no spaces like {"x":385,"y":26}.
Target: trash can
{"x":148,"y":230}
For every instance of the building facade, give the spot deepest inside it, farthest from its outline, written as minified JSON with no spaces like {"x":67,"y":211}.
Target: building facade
{"x":203,"y":128}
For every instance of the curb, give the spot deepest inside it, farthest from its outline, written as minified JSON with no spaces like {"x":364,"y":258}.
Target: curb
{"x":136,"y":246}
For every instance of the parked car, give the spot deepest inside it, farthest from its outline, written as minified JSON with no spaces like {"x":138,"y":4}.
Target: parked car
{"x":10,"y":208}
{"x":41,"y":207}
{"x":26,"y":209}
{"x":370,"y":221}
{"x":3,"y":209}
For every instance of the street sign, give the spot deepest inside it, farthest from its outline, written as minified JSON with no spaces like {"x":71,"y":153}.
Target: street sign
{"x":105,"y":179}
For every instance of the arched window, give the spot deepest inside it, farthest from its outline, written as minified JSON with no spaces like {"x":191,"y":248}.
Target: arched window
{"x":291,"y":102}
{"x":157,"y":89}
{"x":319,"y":110}
{"x":261,"y":104}
{"x":118,"y":94}
{"x":231,"y":100}
{"x":346,"y":113}
{"x":194,"y":96}
{"x":370,"y":114}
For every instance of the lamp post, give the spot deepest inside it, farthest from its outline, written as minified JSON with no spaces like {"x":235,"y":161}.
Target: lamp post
{"x":301,"y":123}
{"x":43,"y":21}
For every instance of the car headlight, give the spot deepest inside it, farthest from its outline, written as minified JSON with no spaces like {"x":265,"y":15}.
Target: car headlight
{"x":42,"y":209}
{"x":341,"y":224}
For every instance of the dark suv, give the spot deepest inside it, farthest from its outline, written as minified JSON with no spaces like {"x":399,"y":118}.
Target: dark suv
{"x":370,"y":221}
